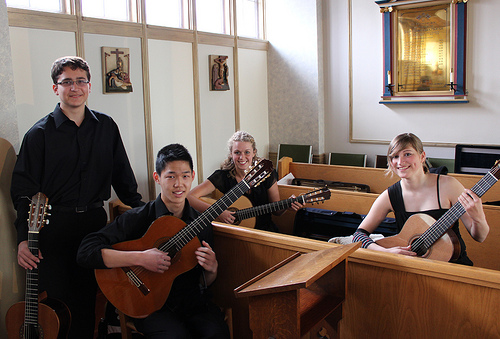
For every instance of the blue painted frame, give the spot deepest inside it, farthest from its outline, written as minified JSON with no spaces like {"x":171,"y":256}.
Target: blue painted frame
{"x":458,"y":64}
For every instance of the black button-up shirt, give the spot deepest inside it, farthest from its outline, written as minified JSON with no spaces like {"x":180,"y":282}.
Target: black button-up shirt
{"x":74,"y":166}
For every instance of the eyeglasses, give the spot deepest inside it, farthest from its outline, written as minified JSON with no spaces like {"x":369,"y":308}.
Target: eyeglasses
{"x":69,"y":83}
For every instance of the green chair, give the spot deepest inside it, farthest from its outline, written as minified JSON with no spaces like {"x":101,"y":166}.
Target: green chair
{"x":347,"y":159}
{"x":299,"y":153}
{"x":449,"y":163}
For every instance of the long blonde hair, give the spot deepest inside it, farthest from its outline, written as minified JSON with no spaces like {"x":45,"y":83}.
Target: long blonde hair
{"x":402,"y":141}
{"x":242,"y":136}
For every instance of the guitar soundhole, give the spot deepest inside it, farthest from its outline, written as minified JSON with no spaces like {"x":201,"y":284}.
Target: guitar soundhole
{"x":30,"y":331}
{"x":234,"y":209}
{"x":419,"y":247}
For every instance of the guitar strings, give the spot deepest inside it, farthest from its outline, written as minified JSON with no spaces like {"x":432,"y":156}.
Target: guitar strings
{"x":434,"y":232}
{"x":181,"y":238}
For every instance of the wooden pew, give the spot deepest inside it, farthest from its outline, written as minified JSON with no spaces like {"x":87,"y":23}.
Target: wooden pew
{"x":483,"y":254}
{"x":388,"y":295}
{"x":376,"y":178}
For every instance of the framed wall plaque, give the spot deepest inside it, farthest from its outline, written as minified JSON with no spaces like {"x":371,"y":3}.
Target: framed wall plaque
{"x":116,"y":70}
{"x":424,"y":51}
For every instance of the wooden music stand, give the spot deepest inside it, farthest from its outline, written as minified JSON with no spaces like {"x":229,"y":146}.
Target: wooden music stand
{"x":290,"y":298}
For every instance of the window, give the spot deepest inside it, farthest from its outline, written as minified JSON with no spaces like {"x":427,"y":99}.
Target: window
{"x":122,"y":10}
{"x":213,"y":16}
{"x":55,"y":6}
{"x":249,"y":18}
{"x":168,"y":13}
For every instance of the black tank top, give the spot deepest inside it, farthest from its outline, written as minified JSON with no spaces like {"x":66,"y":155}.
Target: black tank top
{"x":398,"y":207}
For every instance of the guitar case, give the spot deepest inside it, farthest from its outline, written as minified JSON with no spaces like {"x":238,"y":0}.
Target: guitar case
{"x":336,"y":185}
{"x":320,"y":224}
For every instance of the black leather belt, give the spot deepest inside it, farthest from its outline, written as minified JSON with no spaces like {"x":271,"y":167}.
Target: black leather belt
{"x":77,"y":209}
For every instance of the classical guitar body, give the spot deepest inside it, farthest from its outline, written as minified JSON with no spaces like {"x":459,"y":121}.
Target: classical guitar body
{"x":138,"y":292}
{"x":136,"y":302}
{"x":242,"y":203}
{"x":246,"y":214}
{"x":54,"y":319}
{"x":445,"y":248}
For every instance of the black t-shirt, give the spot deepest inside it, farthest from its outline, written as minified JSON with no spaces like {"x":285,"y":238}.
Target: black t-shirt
{"x":224,"y":181}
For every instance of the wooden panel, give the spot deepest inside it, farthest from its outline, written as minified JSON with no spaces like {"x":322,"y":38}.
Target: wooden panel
{"x":42,"y":20}
{"x":487,"y":253}
{"x":12,"y":275}
{"x":376,"y":178}
{"x":483,"y":254}
{"x":388,"y":295}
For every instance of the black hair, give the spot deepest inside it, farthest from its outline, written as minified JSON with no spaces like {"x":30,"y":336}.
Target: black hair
{"x":171,"y":153}
{"x":72,"y":62}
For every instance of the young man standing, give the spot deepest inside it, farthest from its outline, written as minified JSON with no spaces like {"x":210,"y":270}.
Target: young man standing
{"x":73,"y":155}
{"x":187,"y":312}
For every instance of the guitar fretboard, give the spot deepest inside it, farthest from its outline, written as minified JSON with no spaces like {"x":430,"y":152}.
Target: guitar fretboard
{"x":194,"y":228}
{"x":31,"y":295}
{"x":266,"y":209}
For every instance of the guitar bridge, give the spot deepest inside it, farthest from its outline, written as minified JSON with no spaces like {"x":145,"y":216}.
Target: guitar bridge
{"x":136,"y":281}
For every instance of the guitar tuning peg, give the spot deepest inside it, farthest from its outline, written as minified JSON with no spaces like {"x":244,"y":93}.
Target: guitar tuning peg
{"x":48,"y":214}
{"x":46,"y":221}
{"x":49,"y":207}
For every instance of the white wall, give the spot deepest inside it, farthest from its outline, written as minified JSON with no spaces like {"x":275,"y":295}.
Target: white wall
{"x":172,"y":96}
{"x":295,"y":110}
{"x":216,"y":110}
{"x":253,"y":97}
{"x":33,"y":52}
{"x":8,"y":116}
{"x":474,"y":122}
{"x":127,"y":109}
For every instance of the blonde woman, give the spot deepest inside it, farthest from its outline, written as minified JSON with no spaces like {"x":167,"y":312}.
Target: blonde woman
{"x":242,"y":154}
{"x":420,"y":191}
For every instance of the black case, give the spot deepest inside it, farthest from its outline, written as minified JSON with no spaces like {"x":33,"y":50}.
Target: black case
{"x":338,"y":185}
{"x":322,"y":224}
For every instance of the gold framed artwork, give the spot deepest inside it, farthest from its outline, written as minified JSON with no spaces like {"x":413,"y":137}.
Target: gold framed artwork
{"x":219,"y":73}
{"x":424,"y":51}
{"x":423,"y":47}
{"x":116,"y":70}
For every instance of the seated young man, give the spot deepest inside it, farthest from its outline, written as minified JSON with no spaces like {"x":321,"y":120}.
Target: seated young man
{"x":187,"y":312}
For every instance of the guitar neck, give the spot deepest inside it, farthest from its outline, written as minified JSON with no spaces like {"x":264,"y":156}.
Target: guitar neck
{"x":194,"y":228}
{"x":433,"y":233}
{"x":31,"y":295}
{"x":266,"y":209}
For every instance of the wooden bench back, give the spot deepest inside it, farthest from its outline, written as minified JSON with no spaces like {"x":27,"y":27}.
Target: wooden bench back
{"x":376,"y":178}
{"x":388,"y":296}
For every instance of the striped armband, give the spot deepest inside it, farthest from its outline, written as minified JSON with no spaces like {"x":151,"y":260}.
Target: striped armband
{"x":363,"y":236}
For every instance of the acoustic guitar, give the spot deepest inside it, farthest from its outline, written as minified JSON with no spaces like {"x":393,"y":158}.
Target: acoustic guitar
{"x":138,"y":292}
{"x":246,"y":213}
{"x":434,"y":239}
{"x":37,"y":316}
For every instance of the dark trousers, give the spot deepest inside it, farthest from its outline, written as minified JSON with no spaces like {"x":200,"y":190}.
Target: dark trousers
{"x":59,"y":274}
{"x":166,"y":324}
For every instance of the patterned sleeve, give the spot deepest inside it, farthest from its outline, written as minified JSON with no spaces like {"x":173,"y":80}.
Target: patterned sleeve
{"x":363,"y":236}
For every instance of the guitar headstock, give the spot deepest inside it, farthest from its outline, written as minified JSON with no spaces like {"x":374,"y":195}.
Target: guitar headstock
{"x":319,"y":195}
{"x":38,"y":212}
{"x":258,"y":173}
{"x":495,"y":170}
